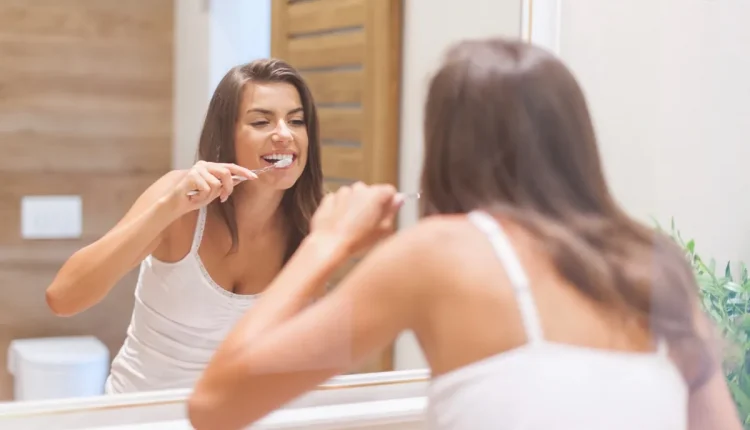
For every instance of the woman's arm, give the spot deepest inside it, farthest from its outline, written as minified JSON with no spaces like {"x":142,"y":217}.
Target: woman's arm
{"x":91,"y":272}
{"x":282,"y":349}
{"x":711,"y":406}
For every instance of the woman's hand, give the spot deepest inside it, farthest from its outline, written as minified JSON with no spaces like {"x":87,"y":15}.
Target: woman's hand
{"x":357,"y":217}
{"x":211,"y":180}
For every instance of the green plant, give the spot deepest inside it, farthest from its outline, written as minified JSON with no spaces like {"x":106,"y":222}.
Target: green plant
{"x":726,"y":299}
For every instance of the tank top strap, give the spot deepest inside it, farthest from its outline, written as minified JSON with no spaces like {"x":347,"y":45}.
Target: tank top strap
{"x":662,"y":347}
{"x":199,"y":226}
{"x":516,"y":274}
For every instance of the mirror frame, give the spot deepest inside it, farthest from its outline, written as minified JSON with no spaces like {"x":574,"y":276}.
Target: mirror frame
{"x":541,"y":23}
{"x":383,"y":391}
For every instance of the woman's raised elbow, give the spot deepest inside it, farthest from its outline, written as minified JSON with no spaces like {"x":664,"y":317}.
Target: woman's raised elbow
{"x":57,"y":304}
{"x":59,"y":300}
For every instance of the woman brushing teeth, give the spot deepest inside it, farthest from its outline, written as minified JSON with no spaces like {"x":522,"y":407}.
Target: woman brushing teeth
{"x":205,"y":256}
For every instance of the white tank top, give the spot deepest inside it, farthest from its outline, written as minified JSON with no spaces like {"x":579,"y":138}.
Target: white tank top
{"x":544,"y":385}
{"x":179,"y":319}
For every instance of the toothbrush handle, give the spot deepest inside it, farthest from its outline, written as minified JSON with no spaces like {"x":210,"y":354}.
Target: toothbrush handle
{"x":265,"y":169}
{"x":408,"y":196}
{"x":236,"y":179}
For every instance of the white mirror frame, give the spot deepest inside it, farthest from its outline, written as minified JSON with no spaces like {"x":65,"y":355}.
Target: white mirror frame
{"x":540,"y":23}
{"x":348,"y":401}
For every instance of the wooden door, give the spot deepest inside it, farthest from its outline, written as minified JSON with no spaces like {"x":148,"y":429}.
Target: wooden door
{"x":349,"y":52}
{"x":85,"y":109}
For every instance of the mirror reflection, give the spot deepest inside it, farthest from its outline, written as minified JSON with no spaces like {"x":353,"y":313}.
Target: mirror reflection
{"x":163,"y":160}
{"x":152,"y":214}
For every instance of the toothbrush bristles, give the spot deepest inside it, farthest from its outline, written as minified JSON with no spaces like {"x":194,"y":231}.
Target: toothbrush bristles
{"x":286,"y":162}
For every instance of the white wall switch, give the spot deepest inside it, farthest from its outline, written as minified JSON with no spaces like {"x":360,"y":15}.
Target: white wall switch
{"x":51,"y":217}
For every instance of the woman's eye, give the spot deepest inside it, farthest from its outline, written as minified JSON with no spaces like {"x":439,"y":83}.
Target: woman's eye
{"x":297,"y":122}
{"x":259,"y":123}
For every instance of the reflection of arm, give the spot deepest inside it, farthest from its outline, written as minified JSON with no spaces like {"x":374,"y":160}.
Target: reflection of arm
{"x":89,"y":274}
{"x":279,"y":351}
{"x":711,"y":406}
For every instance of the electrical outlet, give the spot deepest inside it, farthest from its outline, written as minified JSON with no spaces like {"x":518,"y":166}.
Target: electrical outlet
{"x":51,"y":217}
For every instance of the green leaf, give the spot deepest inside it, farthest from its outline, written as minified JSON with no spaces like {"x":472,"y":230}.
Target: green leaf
{"x":741,"y":397}
{"x":656,"y":223}
{"x":733,"y":286}
{"x":726,"y":301}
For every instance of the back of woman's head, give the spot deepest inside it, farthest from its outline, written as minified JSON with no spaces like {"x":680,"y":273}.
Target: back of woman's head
{"x":507,"y":129}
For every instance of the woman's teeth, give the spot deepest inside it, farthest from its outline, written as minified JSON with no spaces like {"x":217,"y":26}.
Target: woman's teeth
{"x":273,"y":158}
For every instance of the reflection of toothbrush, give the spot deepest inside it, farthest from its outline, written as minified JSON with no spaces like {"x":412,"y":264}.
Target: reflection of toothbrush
{"x":286,"y":162}
{"x":408,"y":196}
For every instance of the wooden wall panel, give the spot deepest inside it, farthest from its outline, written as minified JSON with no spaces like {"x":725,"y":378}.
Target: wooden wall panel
{"x":341,"y":124}
{"x":324,"y":15}
{"x":337,"y":87}
{"x":342,"y":161}
{"x":85,"y":109}
{"x":327,"y":50}
{"x":349,"y":52}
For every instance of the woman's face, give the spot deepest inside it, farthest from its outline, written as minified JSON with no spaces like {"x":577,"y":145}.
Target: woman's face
{"x":271,"y":127}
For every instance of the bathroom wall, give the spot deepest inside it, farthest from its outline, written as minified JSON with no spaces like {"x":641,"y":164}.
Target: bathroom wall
{"x":86,"y":110}
{"x":192,"y":78}
{"x":239,"y":31}
{"x":669,"y":104}
{"x":210,"y":37}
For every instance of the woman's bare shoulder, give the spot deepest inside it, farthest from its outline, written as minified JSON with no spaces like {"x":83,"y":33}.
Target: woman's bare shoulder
{"x":432,"y":231}
{"x":450,"y":246}
{"x":433,"y":241}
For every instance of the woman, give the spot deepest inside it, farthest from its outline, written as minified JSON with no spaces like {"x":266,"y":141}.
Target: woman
{"x":537,"y":301}
{"x":205,"y":258}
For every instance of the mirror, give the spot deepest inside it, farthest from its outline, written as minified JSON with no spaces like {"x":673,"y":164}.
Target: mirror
{"x":99,"y":100}
{"x":125,"y":105}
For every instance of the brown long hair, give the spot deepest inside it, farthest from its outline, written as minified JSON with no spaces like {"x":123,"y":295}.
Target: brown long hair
{"x":218,"y":137}
{"x":507,"y":129}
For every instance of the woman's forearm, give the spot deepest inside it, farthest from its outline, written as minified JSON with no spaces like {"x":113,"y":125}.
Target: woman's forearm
{"x":89,"y":274}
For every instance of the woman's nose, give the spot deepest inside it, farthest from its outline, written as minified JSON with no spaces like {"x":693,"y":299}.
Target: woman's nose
{"x":283,"y":131}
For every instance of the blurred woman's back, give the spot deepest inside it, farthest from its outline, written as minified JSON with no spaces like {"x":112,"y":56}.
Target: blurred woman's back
{"x":536,"y":353}
{"x":553,"y":308}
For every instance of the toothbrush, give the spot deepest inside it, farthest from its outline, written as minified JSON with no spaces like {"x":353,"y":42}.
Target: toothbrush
{"x":285,"y":163}
{"x":408,"y":196}
{"x":237,"y":179}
